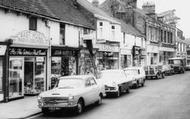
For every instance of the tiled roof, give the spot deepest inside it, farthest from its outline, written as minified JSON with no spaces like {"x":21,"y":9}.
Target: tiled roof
{"x":129,"y":29}
{"x":68,"y":12}
{"x":62,"y":10}
{"x":96,"y":11}
{"x":31,"y":6}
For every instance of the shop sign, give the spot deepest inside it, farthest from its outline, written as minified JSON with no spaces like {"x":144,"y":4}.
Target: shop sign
{"x":39,"y":59}
{"x":30,"y":38}
{"x":3,"y":49}
{"x":59,"y":52}
{"x":27,"y":52}
{"x":107,"y":48}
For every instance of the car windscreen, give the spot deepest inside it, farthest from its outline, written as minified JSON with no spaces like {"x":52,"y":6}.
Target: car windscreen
{"x":131,"y":72}
{"x":71,"y":83}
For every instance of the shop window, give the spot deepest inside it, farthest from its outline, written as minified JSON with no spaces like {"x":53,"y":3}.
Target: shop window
{"x":62,"y":34}
{"x":16,"y":77}
{"x":1,"y":79}
{"x":33,"y":23}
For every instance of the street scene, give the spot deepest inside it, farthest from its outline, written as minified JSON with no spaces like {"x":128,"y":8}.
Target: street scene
{"x":158,"y":99}
{"x":87,"y":59}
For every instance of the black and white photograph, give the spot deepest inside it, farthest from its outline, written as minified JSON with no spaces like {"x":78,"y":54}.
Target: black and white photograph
{"x":94,"y":59}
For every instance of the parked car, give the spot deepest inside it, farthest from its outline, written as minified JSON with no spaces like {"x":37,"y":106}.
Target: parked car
{"x":168,"y":70}
{"x":115,"y":81}
{"x":73,"y":92}
{"x":154,"y":71}
{"x":178,"y":64}
{"x":138,"y":75}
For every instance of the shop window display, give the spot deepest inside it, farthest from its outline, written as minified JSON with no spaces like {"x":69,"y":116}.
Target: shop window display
{"x":16,"y":67}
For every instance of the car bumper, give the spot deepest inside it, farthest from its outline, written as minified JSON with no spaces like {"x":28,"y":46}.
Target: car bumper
{"x":57,"y":105}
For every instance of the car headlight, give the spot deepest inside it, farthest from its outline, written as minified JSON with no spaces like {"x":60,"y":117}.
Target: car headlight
{"x":71,"y":98}
{"x":114,"y":84}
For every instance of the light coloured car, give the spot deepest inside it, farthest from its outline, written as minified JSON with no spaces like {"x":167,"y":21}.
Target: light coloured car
{"x":73,"y":92}
{"x":138,"y":74}
{"x":115,"y":81}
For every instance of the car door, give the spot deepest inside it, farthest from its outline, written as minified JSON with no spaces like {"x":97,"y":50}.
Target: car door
{"x":95,"y":89}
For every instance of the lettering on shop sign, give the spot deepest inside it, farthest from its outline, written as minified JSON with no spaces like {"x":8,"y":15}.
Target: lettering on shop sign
{"x":27,"y":52}
{"x":58,"y":52}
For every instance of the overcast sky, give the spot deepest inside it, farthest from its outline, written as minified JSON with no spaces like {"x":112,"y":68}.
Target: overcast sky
{"x":182,"y":8}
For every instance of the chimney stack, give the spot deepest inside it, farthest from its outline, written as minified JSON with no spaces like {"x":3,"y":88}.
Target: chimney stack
{"x":95,"y":3}
{"x":149,"y":8}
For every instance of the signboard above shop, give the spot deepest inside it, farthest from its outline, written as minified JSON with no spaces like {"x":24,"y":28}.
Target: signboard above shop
{"x":2,"y":49}
{"x":30,"y":38}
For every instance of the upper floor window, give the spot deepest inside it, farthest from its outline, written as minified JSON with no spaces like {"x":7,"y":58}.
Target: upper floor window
{"x":101,"y":23}
{"x":165,"y":35}
{"x":112,"y":27}
{"x":86,"y":31}
{"x":161,"y":35}
{"x":62,"y":34}
{"x":33,"y":23}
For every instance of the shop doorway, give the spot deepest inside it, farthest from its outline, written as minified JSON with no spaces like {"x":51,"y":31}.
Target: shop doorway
{"x":28,"y":75}
{"x":1,"y":79}
{"x":34,"y":75}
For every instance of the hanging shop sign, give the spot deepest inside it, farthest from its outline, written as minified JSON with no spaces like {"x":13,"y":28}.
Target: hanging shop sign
{"x":16,"y":51}
{"x":2,"y":49}
{"x":30,"y":38}
{"x":61,"y":52}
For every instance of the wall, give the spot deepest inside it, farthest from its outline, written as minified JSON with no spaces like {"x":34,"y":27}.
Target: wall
{"x":72,"y":35}
{"x":11,"y":24}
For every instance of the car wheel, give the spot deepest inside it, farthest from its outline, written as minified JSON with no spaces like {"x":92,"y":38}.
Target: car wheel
{"x":45,"y":111}
{"x":118,"y":93}
{"x":158,"y":76}
{"x":163,"y":75}
{"x":99,"y":102}
{"x":80,"y":107}
{"x":128,"y":90}
{"x":143,"y":83}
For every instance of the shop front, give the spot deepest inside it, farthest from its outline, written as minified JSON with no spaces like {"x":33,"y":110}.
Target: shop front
{"x":27,"y":71}
{"x":64,"y":62}
{"x":3,"y":56}
{"x":126,"y":57}
{"x":165,"y":53}
{"x":152,"y":55}
{"x":107,"y":56}
{"x":27,"y":65}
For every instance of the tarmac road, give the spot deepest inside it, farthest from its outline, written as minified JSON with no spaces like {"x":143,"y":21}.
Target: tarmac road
{"x":167,"y":98}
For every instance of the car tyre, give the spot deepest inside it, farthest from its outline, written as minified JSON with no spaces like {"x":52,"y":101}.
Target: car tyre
{"x":118,"y":93}
{"x":99,"y":102}
{"x":143,"y":83}
{"x":45,"y":111}
{"x":80,"y":107}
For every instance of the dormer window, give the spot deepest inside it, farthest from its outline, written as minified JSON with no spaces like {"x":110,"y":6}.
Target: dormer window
{"x":112,"y":27}
{"x":33,"y":23}
{"x":62,"y":34}
{"x":101,"y":23}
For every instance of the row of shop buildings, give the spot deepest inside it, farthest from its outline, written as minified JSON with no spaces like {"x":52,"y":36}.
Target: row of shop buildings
{"x":40,"y":40}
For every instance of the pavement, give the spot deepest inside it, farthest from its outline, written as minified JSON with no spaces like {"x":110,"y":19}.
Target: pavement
{"x":21,"y":108}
